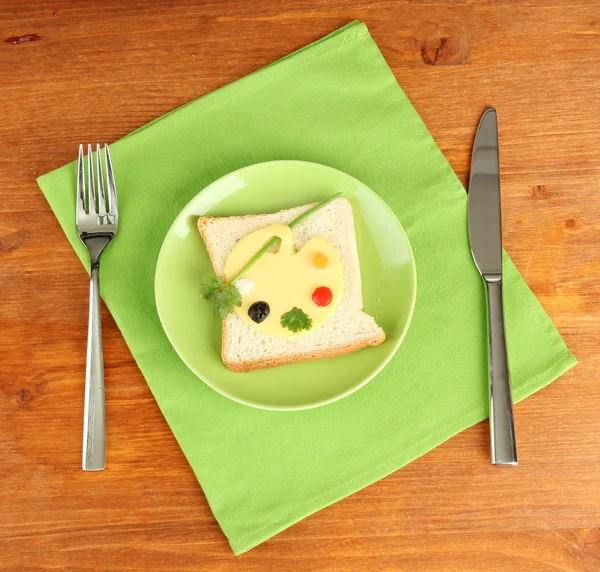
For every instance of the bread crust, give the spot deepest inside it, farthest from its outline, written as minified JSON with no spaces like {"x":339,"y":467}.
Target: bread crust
{"x":244,"y":367}
{"x":203,"y":223}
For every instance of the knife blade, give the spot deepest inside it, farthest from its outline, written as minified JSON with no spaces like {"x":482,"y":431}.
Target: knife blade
{"x":485,"y":236}
{"x":485,"y":225}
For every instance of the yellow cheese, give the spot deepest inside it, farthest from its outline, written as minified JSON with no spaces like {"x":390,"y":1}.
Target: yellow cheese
{"x":285,"y":279}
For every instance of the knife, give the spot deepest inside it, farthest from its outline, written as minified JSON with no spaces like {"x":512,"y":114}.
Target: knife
{"x":485,"y":235}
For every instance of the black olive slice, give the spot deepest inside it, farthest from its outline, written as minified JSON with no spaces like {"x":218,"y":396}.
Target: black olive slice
{"x":259,"y":312}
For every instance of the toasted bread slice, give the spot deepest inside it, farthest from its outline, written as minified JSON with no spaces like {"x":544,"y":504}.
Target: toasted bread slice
{"x":246,"y":348}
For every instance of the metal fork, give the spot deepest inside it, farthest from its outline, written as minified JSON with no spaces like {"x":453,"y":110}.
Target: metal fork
{"x":97,"y":221}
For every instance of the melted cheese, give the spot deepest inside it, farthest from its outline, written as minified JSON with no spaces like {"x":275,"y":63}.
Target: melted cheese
{"x":285,"y":279}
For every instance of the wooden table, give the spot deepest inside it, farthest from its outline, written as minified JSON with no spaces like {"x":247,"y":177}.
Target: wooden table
{"x":82,"y":71}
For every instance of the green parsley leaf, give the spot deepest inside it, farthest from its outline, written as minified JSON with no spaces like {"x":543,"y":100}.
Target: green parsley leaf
{"x":296,"y":320}
{"x":224,"y":296}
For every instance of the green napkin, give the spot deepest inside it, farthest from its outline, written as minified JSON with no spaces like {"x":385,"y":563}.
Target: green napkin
{"x":334,"y":102}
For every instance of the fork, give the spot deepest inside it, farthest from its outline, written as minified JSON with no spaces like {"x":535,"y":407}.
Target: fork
{"x":97,"y":221}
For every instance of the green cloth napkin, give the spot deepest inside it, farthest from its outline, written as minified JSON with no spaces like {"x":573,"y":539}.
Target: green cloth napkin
{"x":334,"y":102}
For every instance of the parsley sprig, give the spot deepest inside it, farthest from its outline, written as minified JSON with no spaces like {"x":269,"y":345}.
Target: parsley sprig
{"x":224,"y":296}
{"x":296,"y":320}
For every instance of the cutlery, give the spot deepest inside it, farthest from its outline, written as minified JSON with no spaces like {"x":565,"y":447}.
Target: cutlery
{"x":485,"y":235}
{"x":97,"y":221}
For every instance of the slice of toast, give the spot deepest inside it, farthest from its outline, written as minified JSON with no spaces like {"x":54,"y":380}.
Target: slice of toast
{"x":246,"y":348}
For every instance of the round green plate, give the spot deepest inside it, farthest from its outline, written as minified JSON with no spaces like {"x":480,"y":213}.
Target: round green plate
{"x":388,"y":282}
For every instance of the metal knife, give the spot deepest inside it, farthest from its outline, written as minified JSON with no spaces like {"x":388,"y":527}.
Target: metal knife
{"x":485,"y":235}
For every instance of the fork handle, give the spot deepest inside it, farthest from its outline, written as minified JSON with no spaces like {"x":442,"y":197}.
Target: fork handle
{"x":93,"y":413}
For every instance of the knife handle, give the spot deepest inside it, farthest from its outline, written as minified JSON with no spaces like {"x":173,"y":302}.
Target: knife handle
{"x":502,"y":427}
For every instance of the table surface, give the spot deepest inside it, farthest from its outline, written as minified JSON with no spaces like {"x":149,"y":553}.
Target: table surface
{"x":92,"y":71}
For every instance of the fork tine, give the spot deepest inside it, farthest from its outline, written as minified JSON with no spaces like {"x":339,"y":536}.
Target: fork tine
{"x":80,"y":185}
{"x":110,"y":179}
{"x":91,"y":185}
{"x":100,"y":183}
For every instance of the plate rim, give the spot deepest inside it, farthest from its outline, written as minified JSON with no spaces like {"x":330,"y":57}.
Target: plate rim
{"x":323,"y":402}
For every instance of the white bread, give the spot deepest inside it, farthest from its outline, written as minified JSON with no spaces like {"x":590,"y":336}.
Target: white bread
{"x":245,"y":348}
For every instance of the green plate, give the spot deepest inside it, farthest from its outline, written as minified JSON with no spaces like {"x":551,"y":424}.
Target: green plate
{"x":388,"y":281}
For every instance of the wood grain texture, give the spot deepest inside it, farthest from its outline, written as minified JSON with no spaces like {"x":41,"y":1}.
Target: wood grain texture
{"x":85,"y":71}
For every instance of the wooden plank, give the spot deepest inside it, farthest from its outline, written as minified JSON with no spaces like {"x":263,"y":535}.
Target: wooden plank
{"x":78,"y":71}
